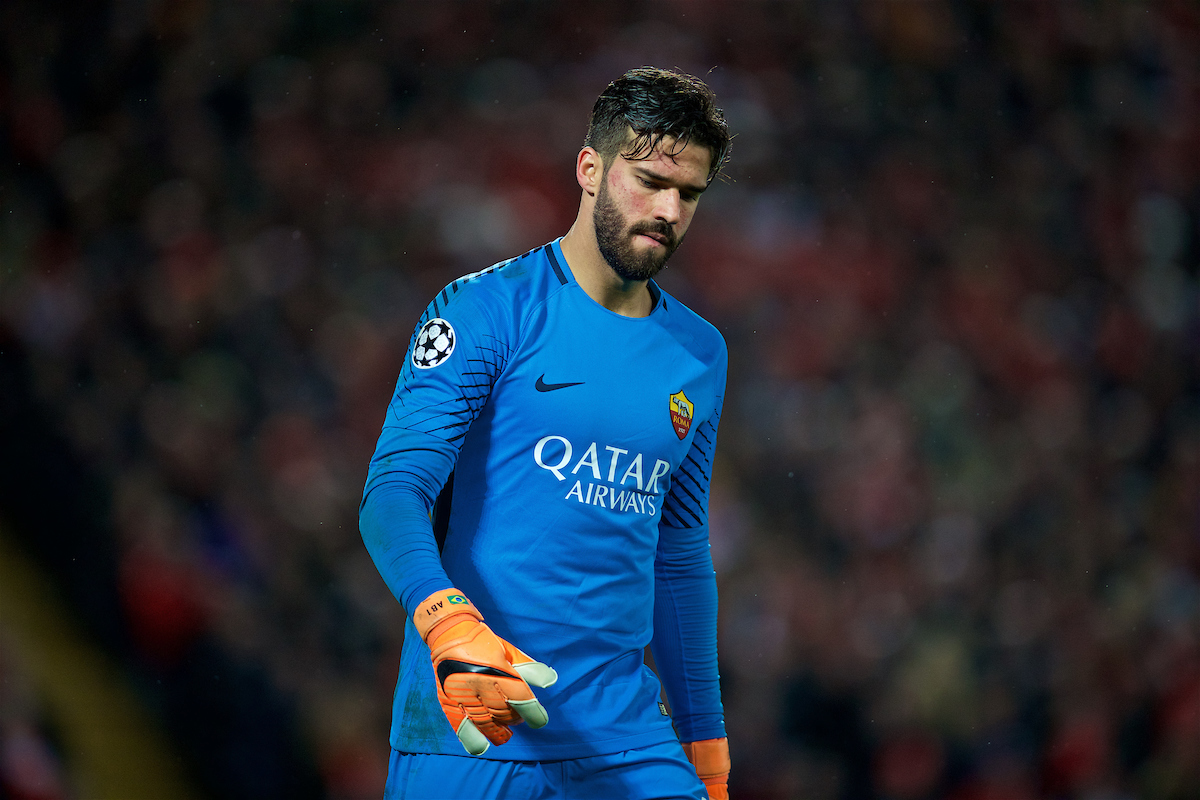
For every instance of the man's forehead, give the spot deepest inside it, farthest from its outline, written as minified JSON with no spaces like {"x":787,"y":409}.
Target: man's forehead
{"x":665,"y":147}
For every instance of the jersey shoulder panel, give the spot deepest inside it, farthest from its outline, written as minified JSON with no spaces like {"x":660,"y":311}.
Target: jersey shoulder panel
{"x":508,"y":289}
{"x":469,"y":332}
{"x":694,"y":332}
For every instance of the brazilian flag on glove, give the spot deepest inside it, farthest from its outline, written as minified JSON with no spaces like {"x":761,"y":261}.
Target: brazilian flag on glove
{"x":482,"y":681}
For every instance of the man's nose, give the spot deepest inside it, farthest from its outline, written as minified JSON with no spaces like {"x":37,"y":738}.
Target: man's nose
{"x":668,"y":206}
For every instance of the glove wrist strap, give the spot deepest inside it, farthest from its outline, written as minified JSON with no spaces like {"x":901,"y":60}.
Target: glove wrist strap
{"x":441,"y":607}
{"x":710,"y":757}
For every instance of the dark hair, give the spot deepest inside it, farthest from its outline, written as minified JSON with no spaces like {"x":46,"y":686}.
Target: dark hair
{"x":657,"y":103}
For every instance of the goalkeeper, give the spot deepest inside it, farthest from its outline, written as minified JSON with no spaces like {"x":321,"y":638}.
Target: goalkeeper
{"x":538,"y":498}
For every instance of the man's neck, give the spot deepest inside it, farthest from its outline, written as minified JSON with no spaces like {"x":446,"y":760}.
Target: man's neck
{"x":597,"y":278}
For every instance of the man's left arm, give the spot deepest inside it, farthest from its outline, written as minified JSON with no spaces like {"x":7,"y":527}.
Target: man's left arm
{"x":685,"y":613}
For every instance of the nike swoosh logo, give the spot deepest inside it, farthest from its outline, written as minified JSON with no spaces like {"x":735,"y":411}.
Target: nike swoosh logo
{"x":453,"y":667}
{"x":542,"y":386}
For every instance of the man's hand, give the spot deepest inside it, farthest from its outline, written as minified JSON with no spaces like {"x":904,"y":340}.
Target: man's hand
{"x":482,"y":680}
{"x":710,"y":757}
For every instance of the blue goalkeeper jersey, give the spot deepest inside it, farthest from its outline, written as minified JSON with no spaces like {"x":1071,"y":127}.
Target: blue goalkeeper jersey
{"x":579,"y":445}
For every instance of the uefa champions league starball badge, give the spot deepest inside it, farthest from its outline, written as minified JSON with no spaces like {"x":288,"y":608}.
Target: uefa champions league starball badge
{"x":434,"y":344}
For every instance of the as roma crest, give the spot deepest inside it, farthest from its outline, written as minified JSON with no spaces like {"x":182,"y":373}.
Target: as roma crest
{"x":681,"y":413}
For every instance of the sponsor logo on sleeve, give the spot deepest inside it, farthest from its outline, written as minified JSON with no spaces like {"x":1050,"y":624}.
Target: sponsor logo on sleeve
{"x":681,"y":414}
{"x":435,"y":343}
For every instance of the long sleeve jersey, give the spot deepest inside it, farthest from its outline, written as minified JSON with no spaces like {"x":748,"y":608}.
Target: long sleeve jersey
{"x":579,"y":443}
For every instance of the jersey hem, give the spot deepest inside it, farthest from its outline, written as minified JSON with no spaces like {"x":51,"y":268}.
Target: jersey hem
{"x":562,"y":752}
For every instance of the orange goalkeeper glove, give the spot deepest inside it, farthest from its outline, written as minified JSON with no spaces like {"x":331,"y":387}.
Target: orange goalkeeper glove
{"x":710,"y":757}
{"x":482,"y":680}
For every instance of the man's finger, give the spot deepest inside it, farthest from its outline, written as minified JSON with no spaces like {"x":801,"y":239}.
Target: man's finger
{"x":474,"y":741}
{"x":533,"y":712}
{"x":536,"y":673}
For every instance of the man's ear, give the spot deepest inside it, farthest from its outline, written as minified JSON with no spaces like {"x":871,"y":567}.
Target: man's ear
{"x":589,"y":170}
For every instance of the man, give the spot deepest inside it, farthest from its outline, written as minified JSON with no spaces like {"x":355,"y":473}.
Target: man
{"x":560,"y":411}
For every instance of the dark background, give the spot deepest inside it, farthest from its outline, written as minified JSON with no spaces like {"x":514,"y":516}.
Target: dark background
{"x":956,"y":515}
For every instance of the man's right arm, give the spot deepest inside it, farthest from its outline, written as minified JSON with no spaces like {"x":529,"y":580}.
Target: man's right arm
{"x":453,"y":360}
{"x":394,"y":515}
{"x":457,"y":353}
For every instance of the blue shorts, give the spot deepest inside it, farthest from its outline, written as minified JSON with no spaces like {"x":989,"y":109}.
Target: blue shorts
{"x":659,"y":772}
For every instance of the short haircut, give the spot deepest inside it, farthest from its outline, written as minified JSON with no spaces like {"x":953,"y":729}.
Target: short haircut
{"x":657,"y":103}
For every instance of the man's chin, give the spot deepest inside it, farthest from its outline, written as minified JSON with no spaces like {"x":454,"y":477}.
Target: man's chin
{"x":640,"y":270}
{"x":638,"y":258}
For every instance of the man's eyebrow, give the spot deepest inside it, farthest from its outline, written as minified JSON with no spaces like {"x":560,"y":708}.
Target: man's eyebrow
{"x":697,"y":190}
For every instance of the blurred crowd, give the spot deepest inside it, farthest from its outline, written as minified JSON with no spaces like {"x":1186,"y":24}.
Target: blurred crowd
{"x":31,"y":760}
{"x":956,"y":515}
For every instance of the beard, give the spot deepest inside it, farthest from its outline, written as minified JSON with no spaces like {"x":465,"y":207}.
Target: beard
{"x":615,"y":239}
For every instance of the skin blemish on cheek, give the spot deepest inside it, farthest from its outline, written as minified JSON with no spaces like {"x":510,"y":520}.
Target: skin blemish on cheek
{"x":616,"y":184}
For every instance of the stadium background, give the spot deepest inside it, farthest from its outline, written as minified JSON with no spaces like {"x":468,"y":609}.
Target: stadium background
{"x":956,"y":519}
